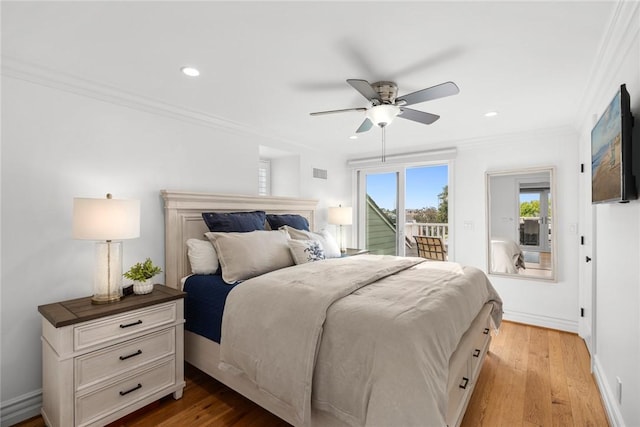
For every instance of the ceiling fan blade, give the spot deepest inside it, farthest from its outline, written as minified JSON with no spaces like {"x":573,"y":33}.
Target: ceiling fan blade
{"x":344,"y":110}
{"x":365,"y":126}
{"x":365,"y":89}
{"x":417,"y":116}
{"x":428,"y":94}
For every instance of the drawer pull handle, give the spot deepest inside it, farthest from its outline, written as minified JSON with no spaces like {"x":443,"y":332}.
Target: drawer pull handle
{"x":139,"y":322}
{"x":476,"y":352}
{"x":122,"y":393}
{"x":465,"y":382}
{"x":131,"y":355}
{"x":486,"y":330}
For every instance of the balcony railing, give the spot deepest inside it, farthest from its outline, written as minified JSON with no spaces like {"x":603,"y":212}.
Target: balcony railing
{"x":430,"y":229}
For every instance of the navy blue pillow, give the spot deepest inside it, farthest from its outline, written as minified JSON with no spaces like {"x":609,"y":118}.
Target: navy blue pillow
{"x":239,"y":222}
{"x":294,"y":221}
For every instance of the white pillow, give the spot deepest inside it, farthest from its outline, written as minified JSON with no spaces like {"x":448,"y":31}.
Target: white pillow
{"x":329,"y":244}
{"x":304,"y":251}
{"x":246,"y":255}
{"x":202,"y":256}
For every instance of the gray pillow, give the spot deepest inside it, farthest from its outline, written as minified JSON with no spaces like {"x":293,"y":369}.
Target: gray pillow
{"x":246,"y":255}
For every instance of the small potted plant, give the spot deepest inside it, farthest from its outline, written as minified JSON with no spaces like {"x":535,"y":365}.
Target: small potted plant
{"x":141,"y":273}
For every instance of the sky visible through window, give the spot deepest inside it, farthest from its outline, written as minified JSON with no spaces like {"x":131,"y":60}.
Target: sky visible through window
{"x":423,"y":186}
{"x":529,"y":197}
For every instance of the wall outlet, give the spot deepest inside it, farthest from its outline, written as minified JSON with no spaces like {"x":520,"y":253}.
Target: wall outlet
{"x":619,"y":390}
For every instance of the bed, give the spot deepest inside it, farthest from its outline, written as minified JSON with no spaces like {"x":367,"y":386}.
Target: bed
{"x":506,"y":256}
{"x":311,"y":342}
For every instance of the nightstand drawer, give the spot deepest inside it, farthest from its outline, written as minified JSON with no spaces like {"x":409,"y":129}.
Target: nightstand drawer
{"x":121,"y":327}
{"x":102,"y":365}
{"x":95,"y":405}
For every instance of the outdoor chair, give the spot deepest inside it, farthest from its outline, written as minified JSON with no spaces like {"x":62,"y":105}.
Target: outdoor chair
{"x":431,"y":248}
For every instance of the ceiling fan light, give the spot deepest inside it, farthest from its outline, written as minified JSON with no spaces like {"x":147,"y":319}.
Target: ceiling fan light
{"x":383,"y":115}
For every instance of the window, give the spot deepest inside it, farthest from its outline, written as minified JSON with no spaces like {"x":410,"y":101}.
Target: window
{"x":264,"y":178}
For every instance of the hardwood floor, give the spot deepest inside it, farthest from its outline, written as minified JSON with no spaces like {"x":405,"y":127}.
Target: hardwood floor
{"x":531,"y":377}
{"x":535,"y":377}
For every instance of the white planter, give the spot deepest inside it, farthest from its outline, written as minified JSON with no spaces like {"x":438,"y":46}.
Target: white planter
{"x":141,"y":288}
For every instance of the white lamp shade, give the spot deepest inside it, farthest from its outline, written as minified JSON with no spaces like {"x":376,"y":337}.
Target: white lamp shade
{"x":340,"y":216}
{"x":106,"y":219}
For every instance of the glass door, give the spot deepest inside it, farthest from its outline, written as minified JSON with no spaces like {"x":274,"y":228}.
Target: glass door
{"x":395,"y":204}
{"x":381,"y":212}
{"x":535,"y":219}
{"x":426,"y":205}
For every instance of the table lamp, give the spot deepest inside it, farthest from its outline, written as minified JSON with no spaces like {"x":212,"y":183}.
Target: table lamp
{"x":106,"y":221}
{"x":340,"y":216}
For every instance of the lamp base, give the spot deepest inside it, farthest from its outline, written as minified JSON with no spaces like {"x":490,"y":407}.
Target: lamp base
{"x":105,"y":299}
{"x":107,"y":283}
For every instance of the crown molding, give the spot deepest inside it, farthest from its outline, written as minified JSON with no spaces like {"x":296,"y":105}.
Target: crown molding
{"x":40,"y":75}
{"x":622,"y":35}
{"x":525,"y":136}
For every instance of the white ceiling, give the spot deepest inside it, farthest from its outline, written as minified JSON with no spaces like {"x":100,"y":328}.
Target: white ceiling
{"x":266,"y":65}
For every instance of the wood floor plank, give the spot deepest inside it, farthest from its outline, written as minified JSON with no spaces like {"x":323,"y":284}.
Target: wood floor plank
{"x":560,"y":399}
{"x":537,"y":408}
{"x":514,"y":389}
{"x":586,"y":403}
{"x":530,"y":377}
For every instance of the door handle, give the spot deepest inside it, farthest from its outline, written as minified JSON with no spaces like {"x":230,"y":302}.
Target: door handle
{"x":587,"y":259}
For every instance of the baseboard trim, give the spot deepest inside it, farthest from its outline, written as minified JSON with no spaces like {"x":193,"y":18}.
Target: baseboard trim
{"x":611,"y":407}
{"x":20,"y":408}
{"x":543,"y":321}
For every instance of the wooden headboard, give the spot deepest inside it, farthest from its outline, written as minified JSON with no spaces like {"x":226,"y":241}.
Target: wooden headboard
{"x":183,"y":220}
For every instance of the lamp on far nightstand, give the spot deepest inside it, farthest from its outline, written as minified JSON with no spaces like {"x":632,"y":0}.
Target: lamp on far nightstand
{"x":106,"y":221}
{"x":340,"y":216}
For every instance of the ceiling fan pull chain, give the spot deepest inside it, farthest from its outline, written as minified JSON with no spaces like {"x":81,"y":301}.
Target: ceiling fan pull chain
{"x":384,"y":156}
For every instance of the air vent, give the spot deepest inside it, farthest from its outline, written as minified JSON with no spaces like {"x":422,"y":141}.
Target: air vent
{"x":320,"y":173}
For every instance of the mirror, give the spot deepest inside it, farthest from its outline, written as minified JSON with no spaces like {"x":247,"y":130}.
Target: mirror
{"x":521,"y":223}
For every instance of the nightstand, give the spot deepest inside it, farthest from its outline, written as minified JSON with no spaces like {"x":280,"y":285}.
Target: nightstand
{"x":101,"y":362}
{"x":353,"y":251}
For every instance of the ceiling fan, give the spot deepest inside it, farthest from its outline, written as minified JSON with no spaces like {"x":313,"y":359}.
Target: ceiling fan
{"x":386,"y":105}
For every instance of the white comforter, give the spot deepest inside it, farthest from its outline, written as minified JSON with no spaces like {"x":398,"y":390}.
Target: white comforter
{"x":366,"y":338}
{"x":506,"y":257}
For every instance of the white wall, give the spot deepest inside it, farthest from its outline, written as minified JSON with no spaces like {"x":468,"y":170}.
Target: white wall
{"x":285,"y":176}
{"x":504,"y":217}
{"x":537,"y":302}
{"x":57,"y":145}
{"x":613,"y":234}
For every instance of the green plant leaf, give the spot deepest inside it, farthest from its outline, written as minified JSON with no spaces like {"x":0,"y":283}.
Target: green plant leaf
{"x":140,"y":272}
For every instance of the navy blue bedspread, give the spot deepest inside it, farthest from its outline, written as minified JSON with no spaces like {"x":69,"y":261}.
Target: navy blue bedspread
{"x":204,"y":304}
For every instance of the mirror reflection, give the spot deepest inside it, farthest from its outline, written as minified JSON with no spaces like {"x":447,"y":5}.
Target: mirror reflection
{"x":520,"y":223}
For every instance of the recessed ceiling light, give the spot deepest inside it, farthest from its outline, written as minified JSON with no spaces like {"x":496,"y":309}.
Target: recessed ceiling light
{"x":353,"y":137}
{"x":190,"y":71}
{"x":491,"y":114}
